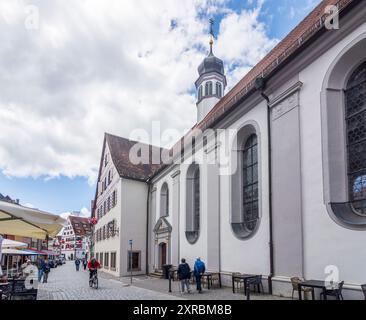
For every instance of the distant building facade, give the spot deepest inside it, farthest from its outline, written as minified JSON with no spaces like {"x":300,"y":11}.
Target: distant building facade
{"x":75,"y":237}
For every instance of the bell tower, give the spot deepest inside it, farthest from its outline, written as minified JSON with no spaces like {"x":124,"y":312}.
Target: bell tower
{"x":211,"y":83}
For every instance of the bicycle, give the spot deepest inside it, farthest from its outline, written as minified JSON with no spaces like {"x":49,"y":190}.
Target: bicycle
{"x":93,"y":281}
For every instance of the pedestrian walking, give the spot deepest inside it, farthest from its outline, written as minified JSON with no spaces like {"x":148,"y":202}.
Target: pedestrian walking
{"x":199,"y":270}
{"x":77,"y":264}
{"x":184,"y":275}
{"x":85,"y":263}
{"x":46,"y":270}
{"x":40,"y":266}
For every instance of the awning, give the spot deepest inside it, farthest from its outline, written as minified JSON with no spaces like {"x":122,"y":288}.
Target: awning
{"x":7,"y":243}
{"x":50,"y":253}
{"x":15,"y":252}
{"x":37,"y":252}
{"x":22,"y":221}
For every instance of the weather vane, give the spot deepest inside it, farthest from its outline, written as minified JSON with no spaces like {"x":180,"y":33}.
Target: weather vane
{"x":212,"y":22}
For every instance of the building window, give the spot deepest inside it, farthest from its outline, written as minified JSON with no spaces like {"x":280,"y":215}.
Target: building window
{"x":164,"y":201}
{"x":106,"y":160}
{"x":97,"y":256}
{"x":113,"y":260}
{"x":193,"y":207}
{"x":104,"y":235}
{"x":356,"y":138}
{"x":250,"y":183}
{"x":105,"y":208}
{"x":114,"y":198}
{"x":208,"y":88}
{"x":200,"y":93}
{"x":218,"y":89}
{"x":245,"y":184}
{"x":134,"y":260}
{"x":106,"y":259}
{"x":101,"y":259}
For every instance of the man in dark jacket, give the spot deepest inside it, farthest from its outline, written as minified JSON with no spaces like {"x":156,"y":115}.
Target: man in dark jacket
{"x":184,"y":274}
{"x":199,"y":270}
{"x":77,"y":264}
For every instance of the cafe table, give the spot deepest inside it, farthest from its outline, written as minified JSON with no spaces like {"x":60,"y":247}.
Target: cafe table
{"x":314,"y":284}
{"x":244,"y":278}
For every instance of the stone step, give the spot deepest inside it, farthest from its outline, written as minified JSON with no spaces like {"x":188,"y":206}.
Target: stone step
{"x":157,"y":274}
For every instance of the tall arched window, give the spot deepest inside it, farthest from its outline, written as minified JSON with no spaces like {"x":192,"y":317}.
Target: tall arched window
{"x":200,"y":93}
{"x":250,"y":183}
{"x":208,"y":88}
{"x":193,"y":206}
{"x":218,"y":89}
{"x":245,"y":186}
{"x":164,"y":201}
{"x":356,"y":138}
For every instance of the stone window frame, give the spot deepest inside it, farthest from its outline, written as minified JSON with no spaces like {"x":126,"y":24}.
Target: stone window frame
{"x":237,"y":223}
{"x":334,"y":136}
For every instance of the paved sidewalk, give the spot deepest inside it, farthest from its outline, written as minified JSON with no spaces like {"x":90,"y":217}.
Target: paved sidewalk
{"x":162,"y":286}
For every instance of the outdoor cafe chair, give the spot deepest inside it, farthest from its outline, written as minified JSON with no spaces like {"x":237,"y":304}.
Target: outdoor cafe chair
{"x":334,"y":292}
{"x":295,"y":281}
{"x":215,"y":279}
{"x":257,"y":284}
{"x":238,"y":282}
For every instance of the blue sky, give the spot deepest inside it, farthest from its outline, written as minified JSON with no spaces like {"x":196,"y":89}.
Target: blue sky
{"x":41,"y":166}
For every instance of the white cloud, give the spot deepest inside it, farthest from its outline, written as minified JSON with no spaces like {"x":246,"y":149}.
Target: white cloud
{"x":84,"y":212}
{"x":106,"y":66}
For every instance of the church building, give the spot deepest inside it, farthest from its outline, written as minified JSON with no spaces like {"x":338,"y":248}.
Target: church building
{"x":291,"y":199}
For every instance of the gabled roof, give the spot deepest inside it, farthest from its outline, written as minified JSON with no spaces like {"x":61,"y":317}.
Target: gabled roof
{"x":120,"y":153}
{"x":81,"y":226}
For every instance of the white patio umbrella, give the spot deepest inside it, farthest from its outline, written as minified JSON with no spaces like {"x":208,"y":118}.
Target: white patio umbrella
{"x":22,"y":221}
{"x":15,"y":252}
{"x":7,"y":243}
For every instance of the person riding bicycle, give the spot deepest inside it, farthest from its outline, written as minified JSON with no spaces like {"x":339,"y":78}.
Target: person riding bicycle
{"x":93,"y":266}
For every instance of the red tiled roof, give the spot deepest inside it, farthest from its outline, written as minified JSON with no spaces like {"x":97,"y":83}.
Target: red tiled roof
{"x":120,"y":153}
{"x":81,"y":226}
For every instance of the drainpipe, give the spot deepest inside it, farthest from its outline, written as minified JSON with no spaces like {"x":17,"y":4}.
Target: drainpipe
{"x":260,"y":85}
{"x":147,"y":225}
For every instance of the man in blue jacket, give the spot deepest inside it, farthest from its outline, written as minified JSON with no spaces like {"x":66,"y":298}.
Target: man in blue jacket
{"x":199,"y":270}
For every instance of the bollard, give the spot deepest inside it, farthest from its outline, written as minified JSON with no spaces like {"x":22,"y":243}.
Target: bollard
{"x":248,"y":292}
{"x":170,"y":282}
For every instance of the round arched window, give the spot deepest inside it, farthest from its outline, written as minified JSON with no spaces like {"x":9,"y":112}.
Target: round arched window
{"x":356,"y":138}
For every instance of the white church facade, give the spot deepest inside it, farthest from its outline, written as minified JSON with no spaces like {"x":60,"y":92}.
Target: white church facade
{"x":295,"y":205}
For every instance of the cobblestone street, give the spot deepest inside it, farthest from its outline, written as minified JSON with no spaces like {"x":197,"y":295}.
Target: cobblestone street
{"x":65,"y":283}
